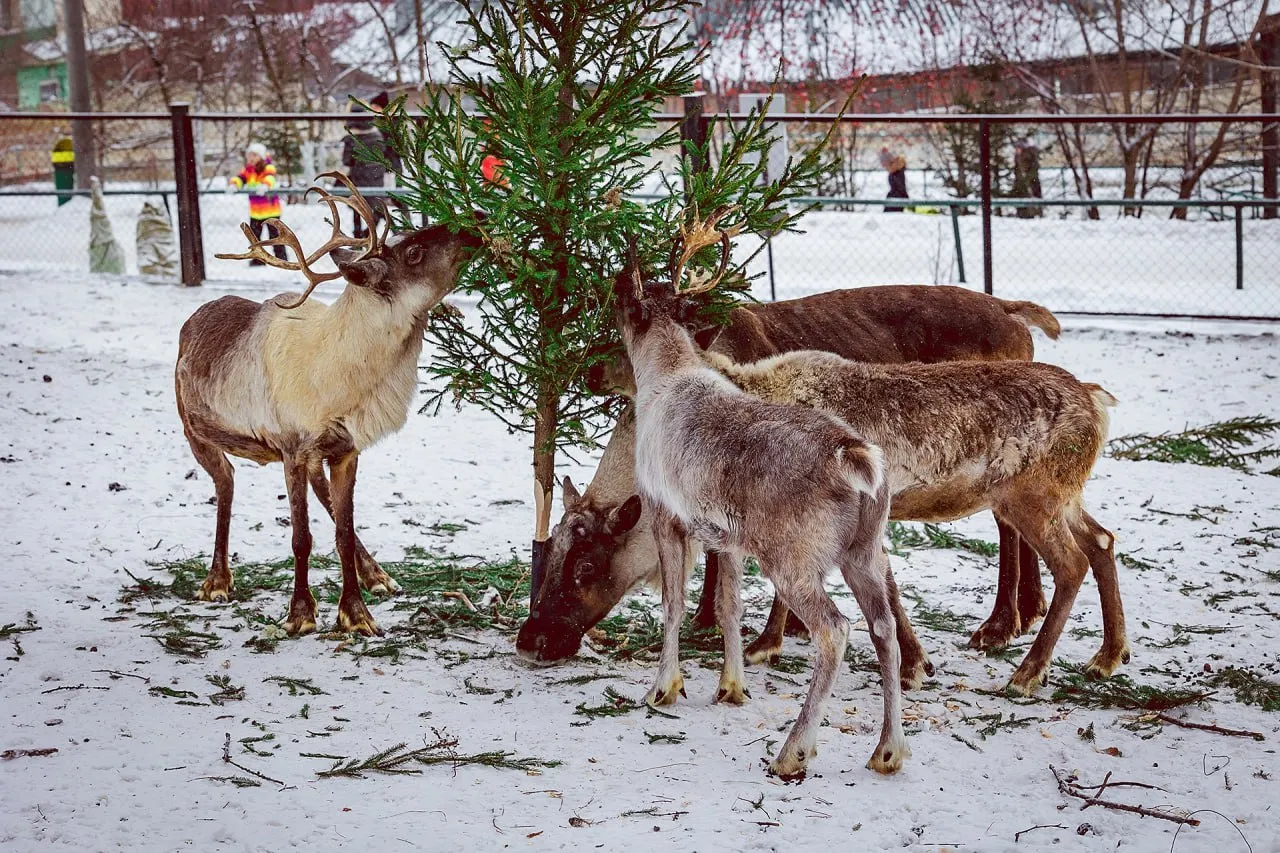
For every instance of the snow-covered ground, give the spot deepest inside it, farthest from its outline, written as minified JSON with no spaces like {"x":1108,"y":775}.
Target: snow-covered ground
{"x":1147,"y":265}
{"x":87,"y":395}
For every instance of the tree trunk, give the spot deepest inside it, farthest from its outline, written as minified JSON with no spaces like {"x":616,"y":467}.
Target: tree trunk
{"x":544,"y":477}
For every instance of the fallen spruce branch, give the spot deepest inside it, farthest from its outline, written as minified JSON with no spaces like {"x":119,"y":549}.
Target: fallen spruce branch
{"x":1069,"y":786}
{"x":399,"y":760}
{"x":1216,"y":445}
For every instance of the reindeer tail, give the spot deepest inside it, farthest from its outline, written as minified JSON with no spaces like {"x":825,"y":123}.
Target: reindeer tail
{"x":1034,"y":315}
{"x":862,"y":464}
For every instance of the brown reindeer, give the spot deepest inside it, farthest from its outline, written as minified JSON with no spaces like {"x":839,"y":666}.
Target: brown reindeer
{"x":794,"y":487}
{"x":603,"y":547}
{"x":1019,"y":439}
{"x":292,"y":380}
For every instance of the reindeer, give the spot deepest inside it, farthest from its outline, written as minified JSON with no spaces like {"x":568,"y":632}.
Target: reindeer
{"x":291,"y":380}
{"x":1017,"y":438}
{"x":601,"y":549}
{"x":794,"y":487}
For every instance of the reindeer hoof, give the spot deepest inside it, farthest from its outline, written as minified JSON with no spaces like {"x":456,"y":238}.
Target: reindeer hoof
{"x":1025,"y":684}
{"x":298,"y":627}
{"x":888,"y":758}
{"x":375,"y":580}
{"x":766,"y":652}
{"x":215,"y":590}
{"x":913,"y":673}
{"x":1105,"y":662}
{"x":666,"y":694}
{"x":792,"y":763}
{"x":995,"y":633}
{"x":732,"y":693}
{"x":355,"y":618}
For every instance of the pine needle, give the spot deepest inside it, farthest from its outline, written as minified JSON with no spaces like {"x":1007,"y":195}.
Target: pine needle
{"x":1250,"y":688}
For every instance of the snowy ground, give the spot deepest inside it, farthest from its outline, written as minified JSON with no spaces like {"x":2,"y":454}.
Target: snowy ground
{"x":87,"y":402}
{"x":1147,"y":265}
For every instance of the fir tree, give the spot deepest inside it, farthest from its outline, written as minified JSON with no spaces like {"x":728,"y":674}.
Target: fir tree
{"x":563,"y":95}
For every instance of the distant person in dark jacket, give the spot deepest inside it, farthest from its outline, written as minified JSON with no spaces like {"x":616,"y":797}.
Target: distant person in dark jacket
{"x":1026,"y":175}
{"x":363,"y":141}
{"x":896,"y":166}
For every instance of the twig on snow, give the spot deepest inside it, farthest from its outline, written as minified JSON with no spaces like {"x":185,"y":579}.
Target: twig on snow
{"x":1068,"y":786}
{"x":226,"y":757}
{"x":1017,"y":836}
{"x":74,"y":687}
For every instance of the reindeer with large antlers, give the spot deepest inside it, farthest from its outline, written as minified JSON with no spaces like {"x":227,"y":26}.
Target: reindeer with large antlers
{"x":295,"y":381}
{"x":794,"y":487}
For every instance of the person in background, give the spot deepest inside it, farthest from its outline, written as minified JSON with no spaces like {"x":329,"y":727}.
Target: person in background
{"x":365,"y":140}
{"x":258,"y":178}
{"x":1026,"y":175}
{"x":896,"y":166}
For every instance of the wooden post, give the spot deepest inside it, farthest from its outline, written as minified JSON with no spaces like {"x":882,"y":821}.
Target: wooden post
{"x":984,"y":157}
{"x":78,"y":82}
{"x":190,"y":239}
{"x":1239,"y":246}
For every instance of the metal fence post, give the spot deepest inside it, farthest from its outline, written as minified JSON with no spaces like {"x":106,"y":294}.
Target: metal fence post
{"x":1269,"y":55}
{"x":190,"y":239}
{"x":955,"y":232}
{"x":984,"y":159}
{"x":1239,"y":246}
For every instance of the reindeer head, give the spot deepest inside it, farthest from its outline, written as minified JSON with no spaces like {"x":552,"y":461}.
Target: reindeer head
{"x":585,"y":575}
{"x":413,"y":270}
{"x":643,"y":304}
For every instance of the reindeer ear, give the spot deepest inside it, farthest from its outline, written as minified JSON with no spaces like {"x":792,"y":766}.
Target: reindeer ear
{"x":369,"y":272}
{"x":623,"y":518}
{"x":568,"y":494}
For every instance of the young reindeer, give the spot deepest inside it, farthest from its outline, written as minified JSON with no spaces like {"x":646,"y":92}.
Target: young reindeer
{"x":794,"y":487}
{"x":601,"y":548}
{"x":1018,"y":438}
{"x":291,"y":380}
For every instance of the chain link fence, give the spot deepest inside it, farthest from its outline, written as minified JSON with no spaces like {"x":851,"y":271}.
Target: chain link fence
{"x":1060,"y":213}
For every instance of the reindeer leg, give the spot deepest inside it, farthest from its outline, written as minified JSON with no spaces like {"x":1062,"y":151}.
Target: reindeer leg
{"x":672,"y":542}
{"x":371,"y":575}
{"x":732,"y":687}
{"x":801,"y":588}
{"x":1031,"y":604}
{"x":1068,"y":564}
{"x":767,"y":647}
{"x":869,"y":578}
{"x":353,"y":615}
{"x":915,"y":660}
{"x":302,"y":607}
{"x":1003,"y":624}
{"x":1098,"y":545}
{"x":218,"y":584}
{"x":705,"y":616}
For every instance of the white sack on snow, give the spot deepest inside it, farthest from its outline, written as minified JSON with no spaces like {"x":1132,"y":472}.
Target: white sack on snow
{"x":105,"y":254}
{"x":157,"y":255}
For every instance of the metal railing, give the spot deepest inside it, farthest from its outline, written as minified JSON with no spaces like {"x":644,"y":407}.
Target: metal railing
{"x":699,"y":126}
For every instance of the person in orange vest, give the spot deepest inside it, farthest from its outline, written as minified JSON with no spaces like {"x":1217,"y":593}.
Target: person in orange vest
{"x":258,"y":177}
{"x":63,"y":158}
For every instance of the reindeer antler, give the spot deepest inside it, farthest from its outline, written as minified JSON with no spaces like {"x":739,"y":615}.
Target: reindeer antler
{"x":693,"y":237}
{"x":286,"y":237}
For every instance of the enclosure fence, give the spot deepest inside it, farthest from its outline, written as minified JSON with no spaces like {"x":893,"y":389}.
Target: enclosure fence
{"x":1022,"y":206}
